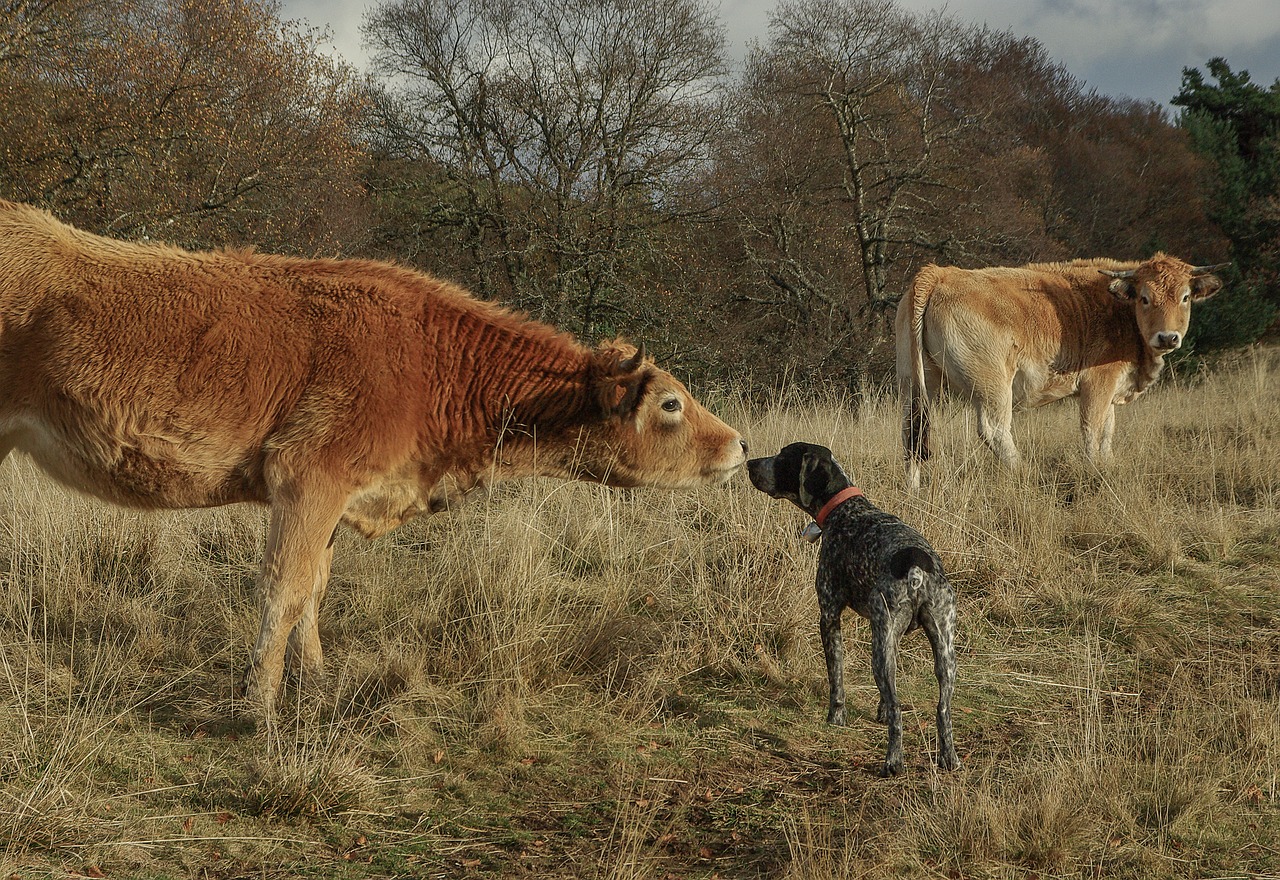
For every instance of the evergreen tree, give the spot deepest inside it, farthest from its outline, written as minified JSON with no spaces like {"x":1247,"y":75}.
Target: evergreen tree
{"x":1235,"y":123}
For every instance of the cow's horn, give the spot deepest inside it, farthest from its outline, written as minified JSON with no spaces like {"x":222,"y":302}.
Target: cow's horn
{"x":626,"y":366}
{"x":1205,"y":270}
{"x":1118,"y":273}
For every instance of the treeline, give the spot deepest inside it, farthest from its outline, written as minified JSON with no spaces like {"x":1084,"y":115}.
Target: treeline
{"x":596,"y":163}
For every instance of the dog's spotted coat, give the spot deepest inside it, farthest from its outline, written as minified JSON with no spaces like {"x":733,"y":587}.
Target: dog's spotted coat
{"x":884,"y":570}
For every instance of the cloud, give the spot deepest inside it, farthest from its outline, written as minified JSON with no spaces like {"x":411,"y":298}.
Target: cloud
{"x":1137,"y":48}
{"x":342,"y":18}
{"x":1122,"y":48}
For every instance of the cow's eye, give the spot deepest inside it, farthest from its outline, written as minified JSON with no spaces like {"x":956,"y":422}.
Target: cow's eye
{"x":671,"y":405}
{"x":1186,"y":297}
{"x":1146,"y":300}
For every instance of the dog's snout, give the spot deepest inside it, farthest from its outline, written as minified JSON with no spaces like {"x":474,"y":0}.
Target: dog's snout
{"x":760,"y":474}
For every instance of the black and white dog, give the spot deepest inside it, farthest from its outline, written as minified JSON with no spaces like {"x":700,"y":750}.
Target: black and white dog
{"x":880,"y":567}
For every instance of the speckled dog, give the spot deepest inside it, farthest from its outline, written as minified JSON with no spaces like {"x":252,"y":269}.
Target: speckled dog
{"x":880,"y":567}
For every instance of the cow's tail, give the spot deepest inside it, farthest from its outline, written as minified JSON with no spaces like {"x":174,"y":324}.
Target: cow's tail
{"x":912,"y":388}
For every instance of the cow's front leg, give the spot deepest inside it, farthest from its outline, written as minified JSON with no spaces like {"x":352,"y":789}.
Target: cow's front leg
{"x":1097,"y":424}
{"x":1098,"y":415}
{"x":304,"y":654}
{"x":1108,"y":430}
{"x":296,"y":562}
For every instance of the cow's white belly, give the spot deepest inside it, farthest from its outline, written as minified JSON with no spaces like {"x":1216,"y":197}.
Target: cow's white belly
{"x":1035,"y":386}
{"x":133,"y":468}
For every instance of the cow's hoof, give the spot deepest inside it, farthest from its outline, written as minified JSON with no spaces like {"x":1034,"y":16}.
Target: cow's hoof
{"x":258,"y":697}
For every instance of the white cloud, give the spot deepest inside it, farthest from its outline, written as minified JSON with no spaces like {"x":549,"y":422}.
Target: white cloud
{"x":341,"y":17}
{"x":1134,"y":48}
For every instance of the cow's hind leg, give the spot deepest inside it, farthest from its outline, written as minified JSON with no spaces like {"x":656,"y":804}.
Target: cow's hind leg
{"x":916,"y":403}
{"x":995,"y":424}
{"x":296,"y":562}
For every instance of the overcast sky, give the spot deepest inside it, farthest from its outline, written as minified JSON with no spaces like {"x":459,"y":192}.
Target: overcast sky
{"x":1133,"y":48}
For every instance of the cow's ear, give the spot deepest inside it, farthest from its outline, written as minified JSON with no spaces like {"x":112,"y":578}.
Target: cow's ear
{"x":622,"y":377}
{"x":622,"y":395}
{"x":1121,"y":289}
{"x":1204,"y":286}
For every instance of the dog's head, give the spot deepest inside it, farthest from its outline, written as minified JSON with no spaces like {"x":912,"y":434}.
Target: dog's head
{"x":803,"y":473}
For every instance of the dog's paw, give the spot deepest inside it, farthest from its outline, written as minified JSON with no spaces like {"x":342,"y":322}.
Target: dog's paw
{"x":837,"y":717}
{"x":891,"y":768}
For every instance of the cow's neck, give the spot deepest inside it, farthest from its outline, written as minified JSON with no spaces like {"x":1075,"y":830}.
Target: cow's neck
{"x":1146,"y":370}
{"x":534,"y":406}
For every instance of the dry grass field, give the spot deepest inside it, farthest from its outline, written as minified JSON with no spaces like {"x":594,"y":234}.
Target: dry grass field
{"x":559,"y":681}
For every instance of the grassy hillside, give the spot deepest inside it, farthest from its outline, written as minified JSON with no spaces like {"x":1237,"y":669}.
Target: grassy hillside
{"x":563,"y":681}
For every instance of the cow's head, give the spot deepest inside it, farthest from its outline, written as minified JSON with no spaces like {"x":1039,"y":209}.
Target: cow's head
{"x":653,"y":432}
{"x":1161,"y":291}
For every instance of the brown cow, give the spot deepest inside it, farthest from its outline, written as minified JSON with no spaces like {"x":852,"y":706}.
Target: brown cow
{"x":334,"y":391}
{"x":1024,"y":337}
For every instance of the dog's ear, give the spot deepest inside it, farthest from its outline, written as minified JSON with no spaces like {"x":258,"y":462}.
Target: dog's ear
{"x":811,"y":481}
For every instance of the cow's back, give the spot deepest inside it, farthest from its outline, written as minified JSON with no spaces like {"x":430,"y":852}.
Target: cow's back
{"x":1036,"y":325}
{"x":159,"y":377}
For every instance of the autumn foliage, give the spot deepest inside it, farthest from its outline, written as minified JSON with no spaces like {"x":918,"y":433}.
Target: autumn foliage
{"x":596,"y":163}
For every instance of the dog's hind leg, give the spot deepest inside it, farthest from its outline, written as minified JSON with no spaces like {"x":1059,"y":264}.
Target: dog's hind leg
{"x":884,"y":666}
{"x":939,"y":622}
{"x":833,"y":652}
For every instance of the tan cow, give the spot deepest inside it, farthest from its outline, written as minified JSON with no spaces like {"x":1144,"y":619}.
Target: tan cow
{"x":1022,"y":337}
{"x":334,"y":391}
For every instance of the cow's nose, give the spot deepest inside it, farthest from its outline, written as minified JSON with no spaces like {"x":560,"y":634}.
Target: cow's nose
{"x":1168,"y":340}
{"x":744,"y":447}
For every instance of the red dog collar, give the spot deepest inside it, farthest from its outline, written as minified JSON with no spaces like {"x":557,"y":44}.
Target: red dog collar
{"x":836,"y":500}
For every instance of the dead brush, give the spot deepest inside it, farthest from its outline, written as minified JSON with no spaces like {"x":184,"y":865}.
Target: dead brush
{"x":311,"y":765}
{"x":1115,"y":711}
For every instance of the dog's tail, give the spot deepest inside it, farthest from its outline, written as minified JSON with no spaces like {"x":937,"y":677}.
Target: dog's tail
{"x":902,"y":563}
{"x":909,"y":333}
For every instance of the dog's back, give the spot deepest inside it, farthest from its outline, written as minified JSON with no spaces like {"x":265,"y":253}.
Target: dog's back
{"x":865,"y":549}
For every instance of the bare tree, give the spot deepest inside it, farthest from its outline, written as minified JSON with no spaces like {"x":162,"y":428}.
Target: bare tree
{"x":880,"y":81}
{"x":204,"y":121}
{"x":562,"y":126}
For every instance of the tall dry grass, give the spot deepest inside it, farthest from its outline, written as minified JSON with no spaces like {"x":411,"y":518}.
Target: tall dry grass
{"x":567,"y":680}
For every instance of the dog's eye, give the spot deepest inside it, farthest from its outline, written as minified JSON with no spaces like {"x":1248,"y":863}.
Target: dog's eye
{"x":672,"y":405}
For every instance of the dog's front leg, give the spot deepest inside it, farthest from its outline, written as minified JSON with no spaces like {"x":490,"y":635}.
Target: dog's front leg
{"x":884,"y":666}
{"x":833,"y":651}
